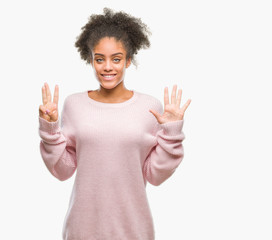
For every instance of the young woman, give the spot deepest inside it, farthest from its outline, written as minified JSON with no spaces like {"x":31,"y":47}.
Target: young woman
{"x":117,"y":139}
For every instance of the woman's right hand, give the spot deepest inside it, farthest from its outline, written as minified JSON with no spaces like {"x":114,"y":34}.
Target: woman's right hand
{"x":49,"y":109}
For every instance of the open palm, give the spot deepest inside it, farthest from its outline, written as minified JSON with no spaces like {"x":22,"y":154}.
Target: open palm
{"x":172,"y":111}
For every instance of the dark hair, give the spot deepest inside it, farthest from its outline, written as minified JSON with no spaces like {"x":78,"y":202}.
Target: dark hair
{"x":123,"y":27}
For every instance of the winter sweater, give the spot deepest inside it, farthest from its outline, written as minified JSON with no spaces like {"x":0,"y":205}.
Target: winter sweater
{"x":114,"y":148}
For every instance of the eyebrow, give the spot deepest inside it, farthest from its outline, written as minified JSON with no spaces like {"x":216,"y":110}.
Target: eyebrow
{"x":111,"y":55}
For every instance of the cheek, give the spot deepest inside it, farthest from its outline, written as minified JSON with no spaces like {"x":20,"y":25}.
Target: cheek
{"x":120,"y":68}
{"x":97,"y":68}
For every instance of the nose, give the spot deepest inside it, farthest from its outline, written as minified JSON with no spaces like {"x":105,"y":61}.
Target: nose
{"x":108,"y":66}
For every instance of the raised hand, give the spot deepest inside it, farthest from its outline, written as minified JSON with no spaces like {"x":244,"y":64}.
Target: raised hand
{"x":49,"y":109}
{"x":172,"y":111}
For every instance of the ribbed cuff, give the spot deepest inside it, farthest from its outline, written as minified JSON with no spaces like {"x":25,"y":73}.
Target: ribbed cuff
{"x":50,"y":127}
{"x":172,"y":128}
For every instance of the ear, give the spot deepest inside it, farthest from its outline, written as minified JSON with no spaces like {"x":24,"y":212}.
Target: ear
{"x":128,"y":62}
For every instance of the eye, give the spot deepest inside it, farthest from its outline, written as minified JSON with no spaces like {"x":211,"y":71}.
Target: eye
{"x":98,"y":59}
{"x":116,"y":60}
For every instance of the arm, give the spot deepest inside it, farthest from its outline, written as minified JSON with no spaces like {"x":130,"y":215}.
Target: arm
{"x":57,"y":146}
{"x":167,"y":154}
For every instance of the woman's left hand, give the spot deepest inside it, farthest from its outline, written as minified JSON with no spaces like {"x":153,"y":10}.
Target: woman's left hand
{"x":172,"y":111}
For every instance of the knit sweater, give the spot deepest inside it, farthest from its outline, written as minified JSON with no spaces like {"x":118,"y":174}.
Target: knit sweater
{"x":114,"y":148}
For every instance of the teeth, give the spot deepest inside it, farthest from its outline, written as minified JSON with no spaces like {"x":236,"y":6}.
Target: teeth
{"x":108,"y":76}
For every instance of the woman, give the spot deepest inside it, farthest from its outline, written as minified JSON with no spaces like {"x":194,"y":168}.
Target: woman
{"x":116,"y":139}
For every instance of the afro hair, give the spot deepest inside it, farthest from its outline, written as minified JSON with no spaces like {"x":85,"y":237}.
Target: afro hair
{"x":131,"y":31}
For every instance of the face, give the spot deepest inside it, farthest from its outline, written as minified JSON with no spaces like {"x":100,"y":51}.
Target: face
{"x":109,"y":62}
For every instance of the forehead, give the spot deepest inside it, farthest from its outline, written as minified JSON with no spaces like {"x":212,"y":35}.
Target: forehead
{"x":109,"y":45}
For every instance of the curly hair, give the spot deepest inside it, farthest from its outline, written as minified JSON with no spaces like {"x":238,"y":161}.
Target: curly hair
{"x":131,"y":31}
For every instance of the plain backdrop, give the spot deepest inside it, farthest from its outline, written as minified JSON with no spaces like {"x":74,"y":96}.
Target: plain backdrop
{"x":218,"y":52}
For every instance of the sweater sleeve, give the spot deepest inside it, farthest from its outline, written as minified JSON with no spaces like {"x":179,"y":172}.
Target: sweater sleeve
{"x":167,"y":154}
{"x":57,"y":146}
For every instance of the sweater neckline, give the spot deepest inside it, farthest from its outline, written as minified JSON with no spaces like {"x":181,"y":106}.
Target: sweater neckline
{"x":103,"y":104}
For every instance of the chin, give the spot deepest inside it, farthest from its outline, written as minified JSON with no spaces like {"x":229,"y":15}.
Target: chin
{"x":109,"y":84}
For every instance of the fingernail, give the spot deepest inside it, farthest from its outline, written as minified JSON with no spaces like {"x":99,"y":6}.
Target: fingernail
{"x":47,"y":111}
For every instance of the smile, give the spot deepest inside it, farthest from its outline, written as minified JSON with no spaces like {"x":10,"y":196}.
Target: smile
{"x":108,"y":76}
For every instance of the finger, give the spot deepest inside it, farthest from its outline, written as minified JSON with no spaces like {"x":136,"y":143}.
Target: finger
{"x":48,"y":93}
{"x":42,"y":113}
{"x":166,"y":96}
{"x":44,"y":110}
{"x":50,"y":97}
{"x":156,"y":114}
{"x":56,"y":95}
{"x":51,"y":112}
{"x":179,"y":97}
{"x":186,"y":105}
{"x":44,"y":98}
{"x":173,"y":95}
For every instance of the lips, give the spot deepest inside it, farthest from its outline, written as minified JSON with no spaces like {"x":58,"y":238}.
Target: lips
{"x":108,"y":77}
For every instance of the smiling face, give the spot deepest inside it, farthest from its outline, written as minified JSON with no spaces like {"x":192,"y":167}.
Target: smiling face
{"x":109,"y":62}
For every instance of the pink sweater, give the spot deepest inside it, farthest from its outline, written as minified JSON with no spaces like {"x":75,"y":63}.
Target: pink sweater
{"x":115,"y":148}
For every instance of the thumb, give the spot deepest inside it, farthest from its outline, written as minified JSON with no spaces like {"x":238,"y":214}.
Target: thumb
{"x":156,"y":114}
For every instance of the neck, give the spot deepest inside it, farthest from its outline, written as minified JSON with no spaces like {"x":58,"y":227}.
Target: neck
{"x":118,"y":93}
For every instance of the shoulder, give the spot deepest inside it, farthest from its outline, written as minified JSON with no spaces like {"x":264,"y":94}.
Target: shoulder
{"x":151,"y":101}
{"x":72,"y":101}
{"x":74,"y":97}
